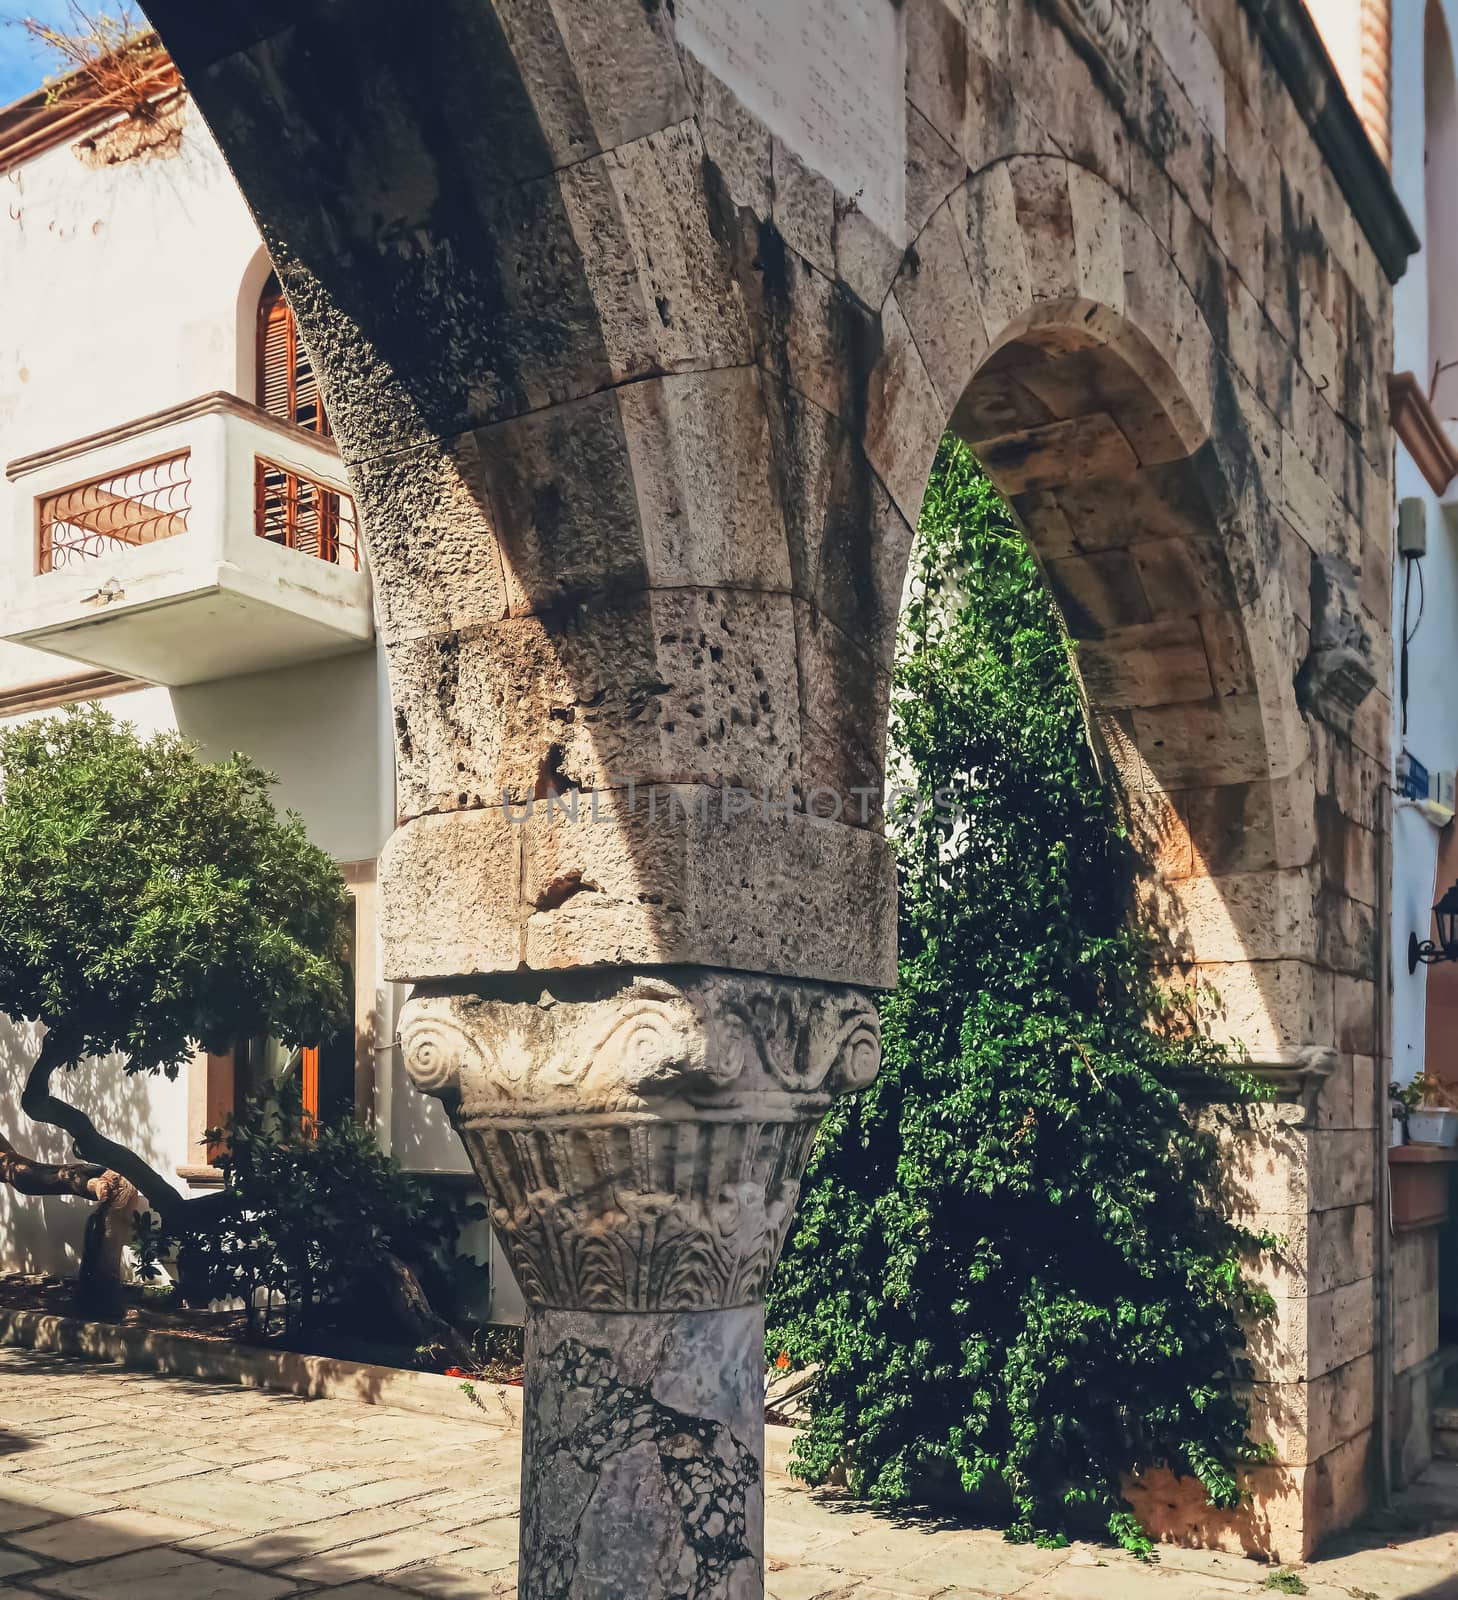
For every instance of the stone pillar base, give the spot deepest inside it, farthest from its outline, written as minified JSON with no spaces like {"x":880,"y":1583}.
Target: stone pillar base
{"x":643,"y":1455}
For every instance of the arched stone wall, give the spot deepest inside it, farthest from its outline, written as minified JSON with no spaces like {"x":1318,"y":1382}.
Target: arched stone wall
{"x":639,"y":405}
{"x":1095,"y":395}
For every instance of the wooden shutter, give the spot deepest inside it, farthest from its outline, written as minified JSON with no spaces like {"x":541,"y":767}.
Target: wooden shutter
{"x":287,"y":388}
{"x":309,"y":1081}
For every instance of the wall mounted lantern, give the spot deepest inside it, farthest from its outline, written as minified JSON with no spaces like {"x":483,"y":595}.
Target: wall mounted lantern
{"x":1445,"y":914}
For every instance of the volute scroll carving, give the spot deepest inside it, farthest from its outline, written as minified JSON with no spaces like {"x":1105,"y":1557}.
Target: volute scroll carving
{"x":642,"y":1143}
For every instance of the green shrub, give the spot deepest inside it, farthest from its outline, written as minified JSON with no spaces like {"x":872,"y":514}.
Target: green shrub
{"x":1005,"y":1262}
{"x":315,"y":1214}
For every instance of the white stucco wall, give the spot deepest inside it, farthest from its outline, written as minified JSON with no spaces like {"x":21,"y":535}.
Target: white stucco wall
{"x":127,"y":290}
{"x":1432,"y":708}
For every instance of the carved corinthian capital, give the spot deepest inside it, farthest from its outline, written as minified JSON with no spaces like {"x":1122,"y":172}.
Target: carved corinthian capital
{"x":641,"y":1139}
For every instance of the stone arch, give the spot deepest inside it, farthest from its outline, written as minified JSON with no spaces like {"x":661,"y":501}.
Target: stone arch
{"x":638,"y":405}
{"x":1038,"y":315}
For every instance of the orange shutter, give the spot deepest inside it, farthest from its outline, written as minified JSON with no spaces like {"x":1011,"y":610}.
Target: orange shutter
{"x":309,"y":1076}
{"x":287,"y":388}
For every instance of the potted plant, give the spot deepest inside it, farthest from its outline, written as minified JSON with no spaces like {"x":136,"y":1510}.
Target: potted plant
{"x":1432,"y":1112}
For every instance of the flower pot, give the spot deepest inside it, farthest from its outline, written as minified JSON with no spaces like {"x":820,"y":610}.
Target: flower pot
{"x":1433,"y":1125}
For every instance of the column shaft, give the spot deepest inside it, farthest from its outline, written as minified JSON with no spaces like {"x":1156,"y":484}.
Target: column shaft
{"x":643,"y":1456}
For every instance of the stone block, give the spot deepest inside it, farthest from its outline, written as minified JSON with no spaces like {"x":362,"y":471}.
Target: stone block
{"x":1415,"y":1257}
{"x":936,"y":68}
{"x":432,"y":538}
{"x":699,"y":449}
{"x":598,"y":75}
{"x":678,"y":685}
{"x":1239,"y":229}
{"x":934,"y":168}
{"x":1340,"y":1247}
{"x":1190,"y":157}
{"x":1341,"y":1326}
{"x":844,"y":703}
{"x":996,"y":252}
{"x":1241,"y":917}
{"x":937,"y":297}
{"x":1271,"y":1524}
{"x":1097,"y":238}
{"x":450,"y":896}
{"x":1415,"y":1330}
{"x":1045,"y":216}
{"x":1266,"y":1007}
{"x":1264,"y":1162}
{"x":1365,"y":1080}
{"x":1338,"y":1489}
{"x":1158,"y":834}
{"x":1098,"y":593}
{"x":1058,"y":453}
{"x":904,"y":416}
{"x":1356,"y":1014}
{"x":803,"y":207}
{"x":1179,"y":576}
{"x":735,"y":141}
{"x":1245,"y":827}
{"x":1190,"y":56}
{"x":1308,"y":502}
{"x":848,"y":542}
{"x":1342,"y":1168}
{"x":562,"y":500}
{"x":1068,"y":95}
{"x":1346,"y":934}
{"x":1004,"y":125}
{"x":1304,"y":1421}
{"x":676,"y":875}
{"x":663,"y":285}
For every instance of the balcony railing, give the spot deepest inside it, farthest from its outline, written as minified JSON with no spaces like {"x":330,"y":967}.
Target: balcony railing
{"x":302,"y":514}
{"x":196,"y":543}
{"x":138,"y":505}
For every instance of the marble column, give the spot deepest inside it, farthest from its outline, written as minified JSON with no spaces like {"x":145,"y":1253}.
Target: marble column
{"x":641,"y":1136}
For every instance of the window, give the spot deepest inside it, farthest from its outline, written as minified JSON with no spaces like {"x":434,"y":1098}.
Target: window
{"x":287,"y":388}
{"x":300,"y":514}
{"x":336,"y":1077}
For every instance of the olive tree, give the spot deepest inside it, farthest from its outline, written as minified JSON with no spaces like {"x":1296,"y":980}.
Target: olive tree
{"x":151,"y":902}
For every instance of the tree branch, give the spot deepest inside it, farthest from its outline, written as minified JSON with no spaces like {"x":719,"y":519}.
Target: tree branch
{"x":82,"y":1179}
{"x":41,"y":1105}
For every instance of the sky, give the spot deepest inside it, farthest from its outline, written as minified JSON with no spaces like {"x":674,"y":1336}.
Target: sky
{"x":22,"y":64}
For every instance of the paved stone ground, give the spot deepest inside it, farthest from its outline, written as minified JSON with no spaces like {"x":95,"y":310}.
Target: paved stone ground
{"x":116,"y":1485}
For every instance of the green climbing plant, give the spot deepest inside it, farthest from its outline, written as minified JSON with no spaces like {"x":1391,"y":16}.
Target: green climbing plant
{"x":1008,"y":1263}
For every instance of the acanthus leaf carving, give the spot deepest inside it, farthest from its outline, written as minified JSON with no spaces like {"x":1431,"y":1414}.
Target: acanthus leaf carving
{"x":642,"y":1144}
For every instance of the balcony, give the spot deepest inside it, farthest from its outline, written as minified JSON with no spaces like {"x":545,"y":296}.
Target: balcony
{"x":202,"y":542}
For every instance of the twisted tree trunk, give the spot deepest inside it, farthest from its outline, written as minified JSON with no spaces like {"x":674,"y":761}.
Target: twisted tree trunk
{"x":120,"y":1180}
{"x":108,"y":1228}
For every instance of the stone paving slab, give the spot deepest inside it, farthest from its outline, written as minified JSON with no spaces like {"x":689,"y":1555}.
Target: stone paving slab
{"x":127,"y":1486}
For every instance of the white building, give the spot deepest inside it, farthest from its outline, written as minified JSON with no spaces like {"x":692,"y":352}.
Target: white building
{"x":1397,"y":60}
{"x":176,"y":537}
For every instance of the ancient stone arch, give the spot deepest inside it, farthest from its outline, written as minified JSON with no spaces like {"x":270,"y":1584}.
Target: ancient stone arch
{"x":638,"y":323}
{"x":1145,"y":478}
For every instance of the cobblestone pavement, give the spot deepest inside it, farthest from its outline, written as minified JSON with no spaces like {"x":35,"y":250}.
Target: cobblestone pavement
{"x":118,"y":1485}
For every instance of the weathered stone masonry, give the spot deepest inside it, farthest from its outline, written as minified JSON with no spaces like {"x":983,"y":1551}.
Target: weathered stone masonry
{"x":639,"y":408}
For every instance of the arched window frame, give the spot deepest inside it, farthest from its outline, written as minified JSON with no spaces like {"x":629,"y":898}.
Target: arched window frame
{"x":285,"y":384}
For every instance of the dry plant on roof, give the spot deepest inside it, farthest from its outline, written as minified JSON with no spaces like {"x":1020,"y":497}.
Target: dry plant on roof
{"x":113,"y":62}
